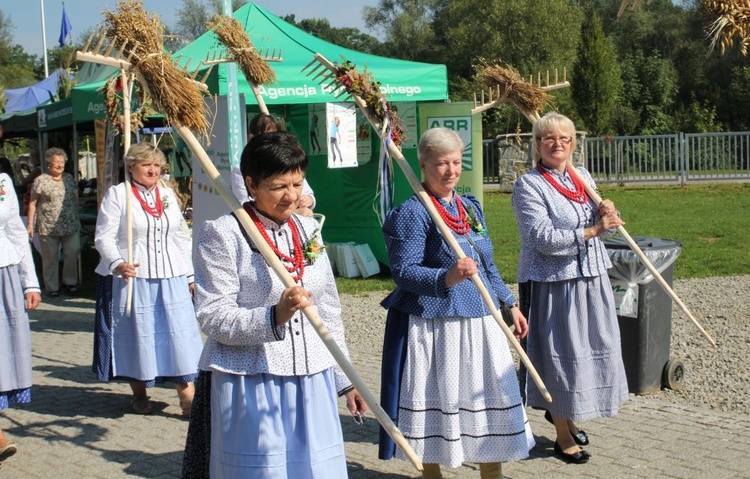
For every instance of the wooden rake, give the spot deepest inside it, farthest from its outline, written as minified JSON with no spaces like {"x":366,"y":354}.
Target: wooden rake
{"x":495,"y":98}
{"x":115,"y":59}
{"x":273,"y":261}
{"x":533,"y":117}
{"x":216,"y":58}
{"x":326,"y":72}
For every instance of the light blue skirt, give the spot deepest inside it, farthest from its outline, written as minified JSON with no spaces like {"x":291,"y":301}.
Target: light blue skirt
{"x":275,"y":427}
{"x":15,"y":340}
{"x":574,"y":344}
{"x":160,"y":339}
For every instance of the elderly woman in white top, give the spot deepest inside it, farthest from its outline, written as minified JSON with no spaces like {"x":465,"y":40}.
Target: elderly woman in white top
{"x":159,"y":340}
{"x":574,"y":338}
{"x":19,"y":291}
{"x":273,"y":387}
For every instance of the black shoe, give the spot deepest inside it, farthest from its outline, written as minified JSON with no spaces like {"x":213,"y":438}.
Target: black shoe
{"x":580,"y":438}
{"x":580,"y":457}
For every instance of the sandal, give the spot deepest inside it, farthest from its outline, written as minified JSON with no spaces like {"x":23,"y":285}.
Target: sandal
{"x":187,"y":407}
{"x":7,"y":451}
{"x":141,"y":405}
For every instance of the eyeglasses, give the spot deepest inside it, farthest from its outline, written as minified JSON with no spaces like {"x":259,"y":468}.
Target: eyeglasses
{"x":359,"y":418}
{"x":551,"y":140}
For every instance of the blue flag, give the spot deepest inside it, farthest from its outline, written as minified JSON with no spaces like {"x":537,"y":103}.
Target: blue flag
{"x":65,"y":28}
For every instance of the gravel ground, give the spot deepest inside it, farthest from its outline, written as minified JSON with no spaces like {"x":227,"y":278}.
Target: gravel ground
{"x":717,"y":378}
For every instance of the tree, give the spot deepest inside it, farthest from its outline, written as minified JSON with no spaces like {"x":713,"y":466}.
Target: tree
{"x":16,"y":66}
{"x":409,"y":28}
{"x":596,"y":82}
{"x":530,"y":35}
{"x":194,"y":14}
{"x":346,"y":37}
{"x":649,"y":88}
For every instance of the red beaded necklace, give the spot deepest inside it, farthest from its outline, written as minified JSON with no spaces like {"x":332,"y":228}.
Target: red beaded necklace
{"x":458,"y":224}
{"x":297,"y":262}
{"x":155,"y":211}
{"x":578,"y":195}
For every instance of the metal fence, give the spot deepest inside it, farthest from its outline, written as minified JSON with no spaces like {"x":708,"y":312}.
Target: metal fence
{"x":675,"y":158}
{"x":669,"y":158}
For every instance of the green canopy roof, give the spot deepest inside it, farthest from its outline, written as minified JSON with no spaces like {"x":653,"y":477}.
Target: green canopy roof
{"x":401,"y":80}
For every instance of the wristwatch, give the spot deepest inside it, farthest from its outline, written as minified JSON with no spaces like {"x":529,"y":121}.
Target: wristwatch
{"x":514,"y":305}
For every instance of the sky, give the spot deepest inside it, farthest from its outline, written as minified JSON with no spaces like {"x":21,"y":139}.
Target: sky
{"x":86,"y":14}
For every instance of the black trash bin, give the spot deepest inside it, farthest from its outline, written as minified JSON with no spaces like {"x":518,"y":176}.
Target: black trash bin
{"x":644,"y":312}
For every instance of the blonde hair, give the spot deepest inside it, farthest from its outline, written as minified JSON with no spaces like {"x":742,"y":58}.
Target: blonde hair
{"x":144,"y":152}
{"x":438,"y":141}
{"x":552,"y":121}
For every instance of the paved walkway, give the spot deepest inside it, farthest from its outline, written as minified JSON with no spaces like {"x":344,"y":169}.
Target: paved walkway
{"x":76,"y":427}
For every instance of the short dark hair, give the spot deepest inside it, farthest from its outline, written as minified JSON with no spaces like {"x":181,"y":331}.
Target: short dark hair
{"x":264,"y":123}
{"x":272,"y":154}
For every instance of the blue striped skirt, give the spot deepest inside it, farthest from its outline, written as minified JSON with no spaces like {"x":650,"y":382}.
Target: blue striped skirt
{"x":160,"y":341}
{"x":15,"y":340}
{"x":574,"y":344}
{"x":275,"y":427}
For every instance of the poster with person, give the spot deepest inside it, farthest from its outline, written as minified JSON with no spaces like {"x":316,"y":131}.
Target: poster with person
{"x":341,"y":120}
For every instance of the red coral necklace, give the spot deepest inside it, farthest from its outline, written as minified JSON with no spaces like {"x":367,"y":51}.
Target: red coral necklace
{"x":157,"y":210}
{"x":296,"y":266}
{"x":458,"y":223}
{"x":578,"y":195}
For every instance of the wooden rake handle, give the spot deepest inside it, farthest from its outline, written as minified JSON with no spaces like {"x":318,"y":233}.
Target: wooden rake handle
{"x":286,"y":278}
{"x":447,"y":235}
{"x":637,"y":250}
{"x":127,"y":85}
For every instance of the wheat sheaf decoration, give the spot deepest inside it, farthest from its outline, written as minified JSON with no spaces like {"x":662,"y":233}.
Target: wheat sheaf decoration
{"x":528,"y":97}
{"x":172,"y":91}
{"x":241,"y":49}
{"x":732,"y":23}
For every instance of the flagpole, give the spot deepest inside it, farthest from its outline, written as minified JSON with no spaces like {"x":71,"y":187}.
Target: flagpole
{"x":44,"y":39}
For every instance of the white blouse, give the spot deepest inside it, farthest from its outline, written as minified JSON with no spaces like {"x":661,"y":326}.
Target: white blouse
{"x":160,"y":245}
{"x":14,"y":240}
{"x":235,"y":291}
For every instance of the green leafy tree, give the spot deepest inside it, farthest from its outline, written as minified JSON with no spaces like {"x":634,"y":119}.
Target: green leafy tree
{"x":649,"y":88}
{"x":596,"y":84}
{"x":194,"y":14}
{"x":346,"y":37}
{"x":16,"y":66}
{"x":409,"y":28}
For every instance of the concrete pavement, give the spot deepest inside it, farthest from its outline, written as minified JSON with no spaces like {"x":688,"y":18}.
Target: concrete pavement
{"x":76,"y":427}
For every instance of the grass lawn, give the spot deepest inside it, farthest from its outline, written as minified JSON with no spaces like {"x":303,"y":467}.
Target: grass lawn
{"x":712,"y":221}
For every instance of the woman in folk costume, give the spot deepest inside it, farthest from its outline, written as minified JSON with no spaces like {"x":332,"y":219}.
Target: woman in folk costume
{"x":19,"y":291}
{"x":273,"y":409}
{"x":574,"y":338}
{"x":448,"y":378}
{"x":159,"y":340}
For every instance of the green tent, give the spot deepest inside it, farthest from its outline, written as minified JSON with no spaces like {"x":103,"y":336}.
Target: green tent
{"x":401,"y":80}
{"x":345,"y":195}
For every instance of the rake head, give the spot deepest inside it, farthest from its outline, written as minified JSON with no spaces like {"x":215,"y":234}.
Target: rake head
{"x":323,"y":71}
{"x":526,"y":95}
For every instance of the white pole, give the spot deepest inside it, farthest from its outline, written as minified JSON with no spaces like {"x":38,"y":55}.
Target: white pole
{"x":44,"y":40}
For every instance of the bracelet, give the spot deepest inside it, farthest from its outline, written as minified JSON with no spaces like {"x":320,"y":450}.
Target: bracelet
{"x":514,"y":305}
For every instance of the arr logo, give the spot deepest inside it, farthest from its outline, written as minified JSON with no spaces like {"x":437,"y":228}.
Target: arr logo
{"x":462,"y":126}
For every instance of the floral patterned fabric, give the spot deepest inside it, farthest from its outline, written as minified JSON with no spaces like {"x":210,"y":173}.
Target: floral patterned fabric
{"x":57,"y":206}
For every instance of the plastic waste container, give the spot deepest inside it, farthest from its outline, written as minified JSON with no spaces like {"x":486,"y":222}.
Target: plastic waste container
{"x":644,"y":312}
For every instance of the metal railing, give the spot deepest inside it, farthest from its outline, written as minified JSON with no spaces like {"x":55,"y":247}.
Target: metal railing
{"x":655,"y":158}
{"x":669,"y":158}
